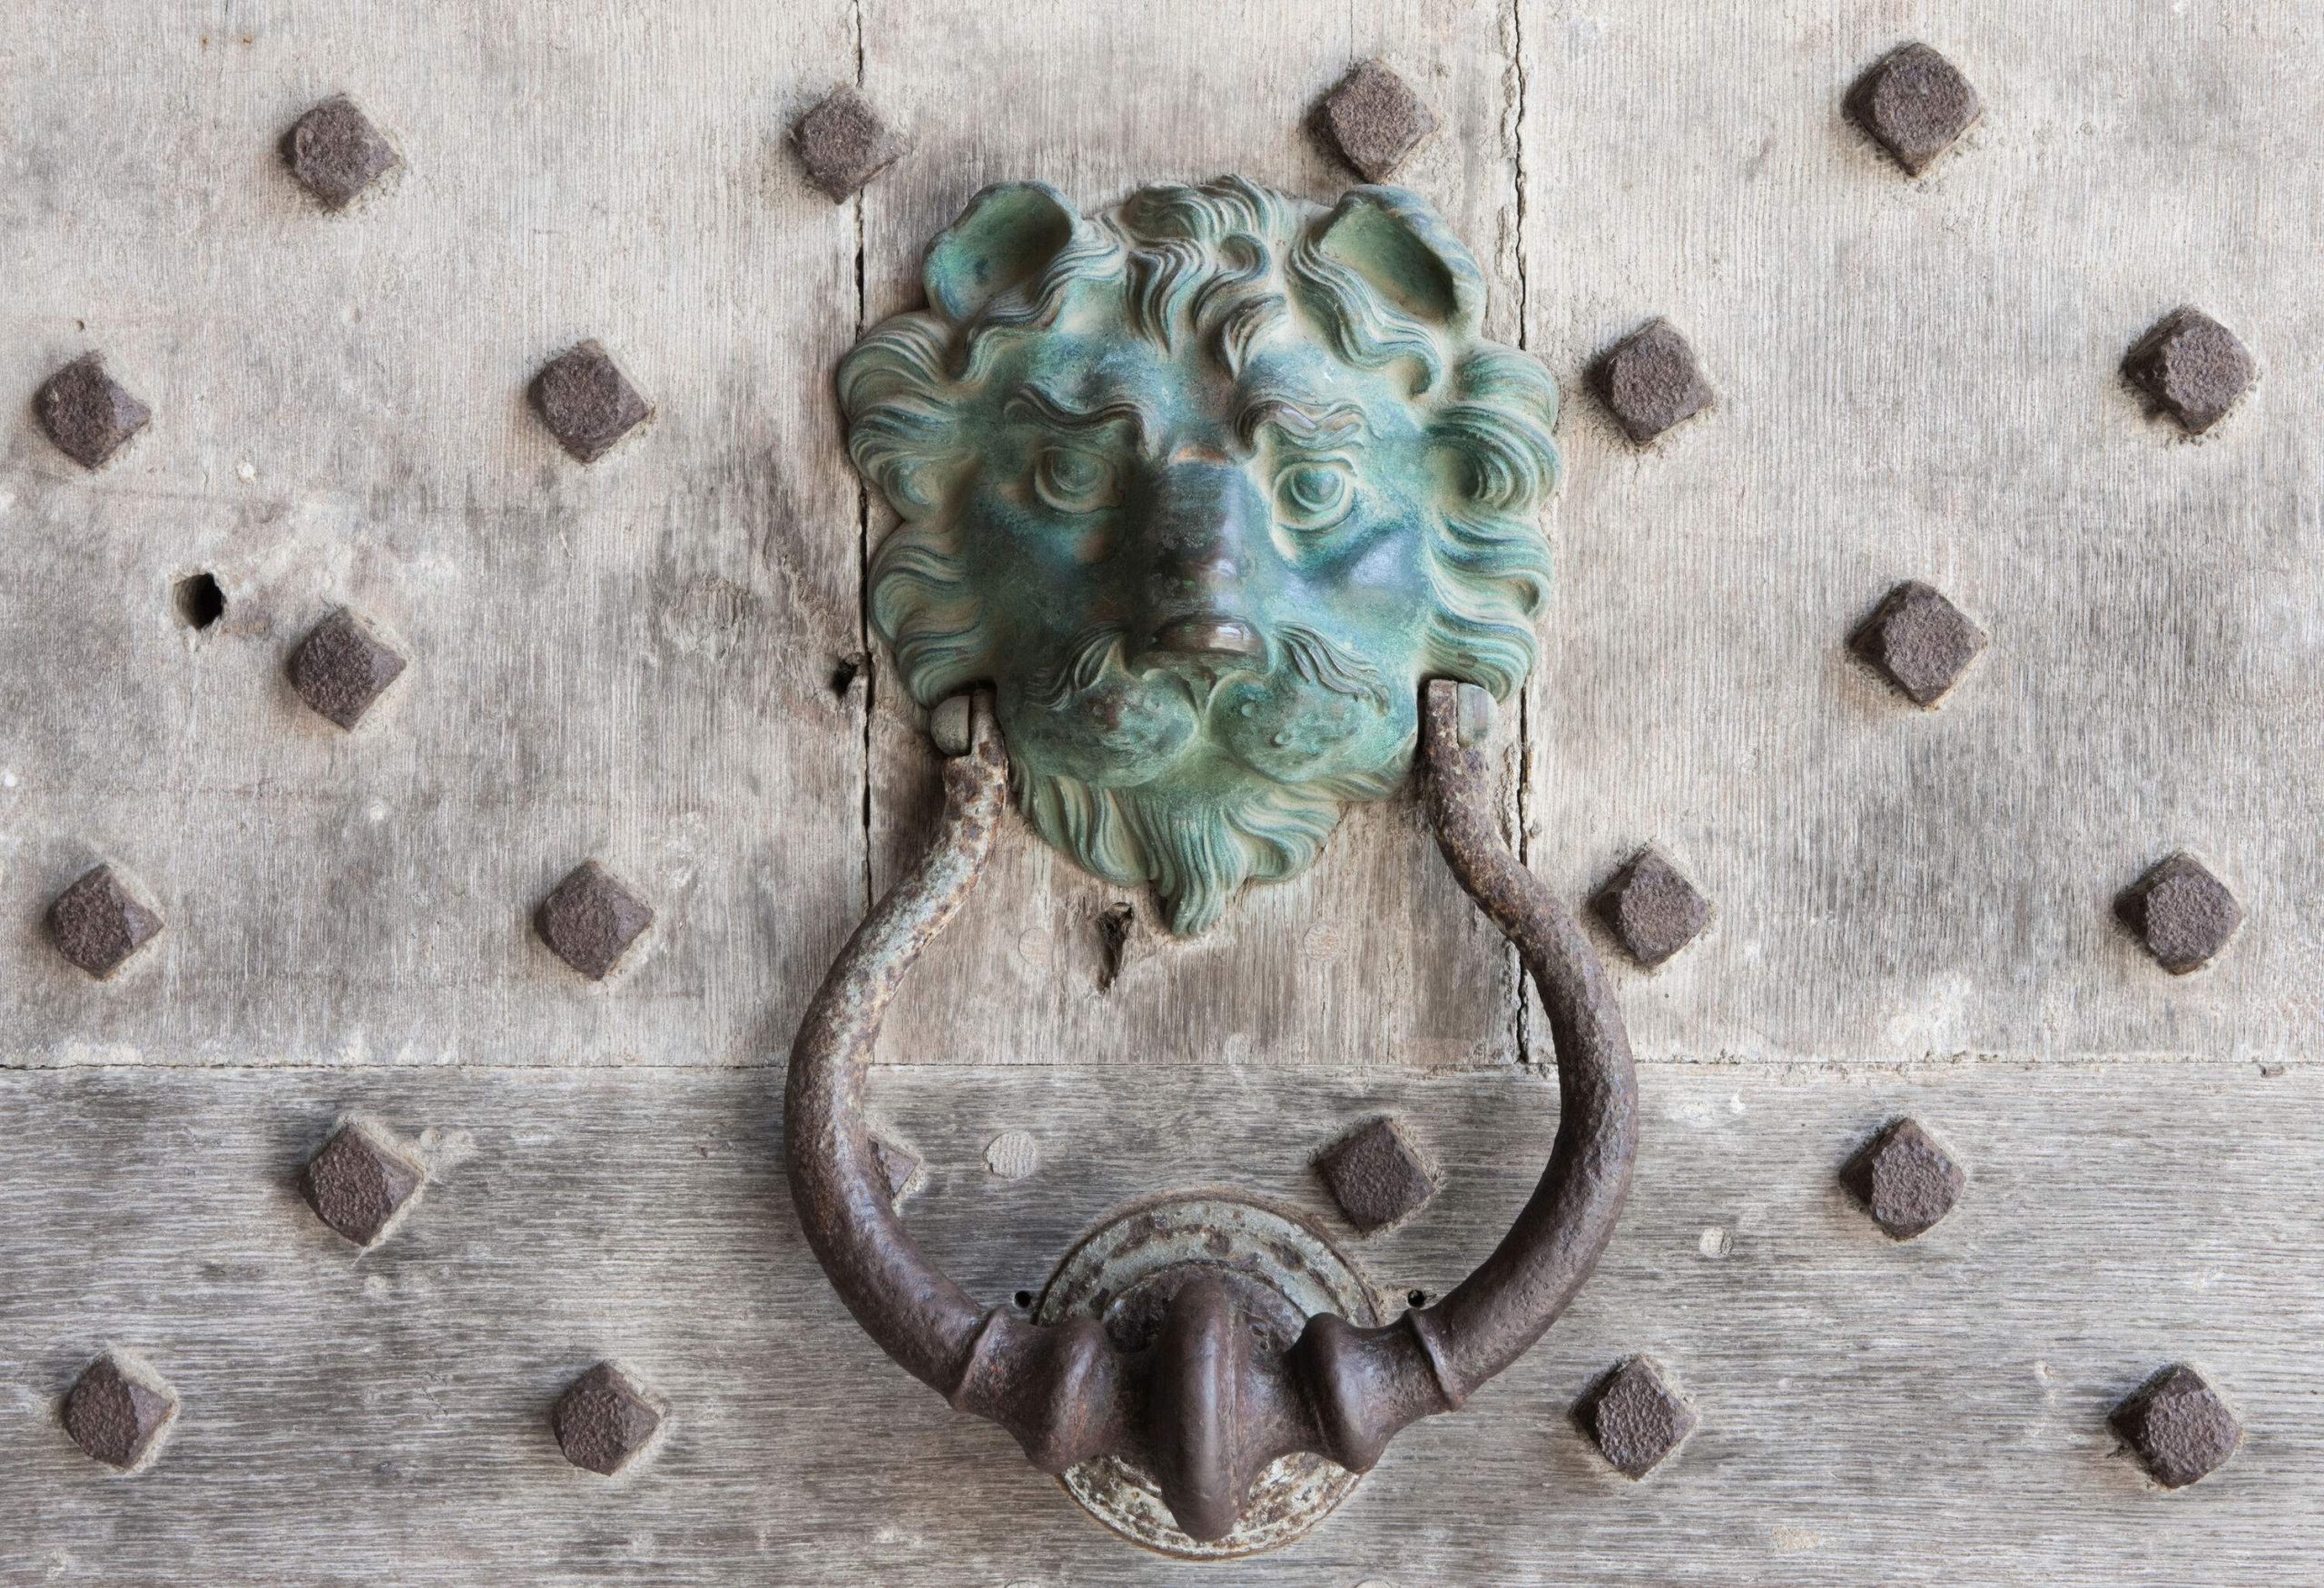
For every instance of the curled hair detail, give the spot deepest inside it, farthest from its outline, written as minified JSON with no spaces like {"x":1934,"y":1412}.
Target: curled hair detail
{"x":1219,"y":271}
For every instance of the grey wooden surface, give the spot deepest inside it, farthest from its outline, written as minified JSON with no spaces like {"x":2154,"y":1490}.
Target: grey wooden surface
{"x":635,"y":662}
{"x":630,"y":661}
{"x":1919,"y":379}
{"x":1930,"y":1412}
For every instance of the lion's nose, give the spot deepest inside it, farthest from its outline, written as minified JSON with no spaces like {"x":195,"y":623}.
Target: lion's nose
{"x":1198,"y":538}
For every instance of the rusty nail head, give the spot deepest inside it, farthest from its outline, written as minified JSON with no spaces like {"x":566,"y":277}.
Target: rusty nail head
{"x":604,"y":1419}
{"x":358,"y":1182}
{"x":1637,"y":1419}
{"x":117,"y":1411}
{"x":899,"y":1165}
{"x":1904,"y":1180}
{"x":87,"y":413}
{"x":97,"y":923}
{"x":2182,"y":913}
{"x":2190,"y":367}
{"x":1920,"y":641}
{"x":589,"y":919}
{"x":1651,"y":909}
{"x":1916,"y":105}
{"x":843,"y":143}
{"x":1649,"y":381}
{"x":342,"y":667}
{"x":1375,"y":1175}
{"x":336,"y":153}
{"x":1373,"y":120}
{"x":2177,"y":1426}
{"x":586,"y":402}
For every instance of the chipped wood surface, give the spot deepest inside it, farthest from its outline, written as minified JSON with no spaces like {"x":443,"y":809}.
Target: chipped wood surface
{"x":637,"y":662}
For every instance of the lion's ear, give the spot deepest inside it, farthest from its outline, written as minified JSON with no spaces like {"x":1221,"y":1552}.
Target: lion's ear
{"x":1391,"y":238}
{"x":1007,"y":235}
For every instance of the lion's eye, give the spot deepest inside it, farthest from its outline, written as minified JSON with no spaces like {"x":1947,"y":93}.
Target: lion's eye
{"x":1314,"y":494}
{"x":1074,"y":480}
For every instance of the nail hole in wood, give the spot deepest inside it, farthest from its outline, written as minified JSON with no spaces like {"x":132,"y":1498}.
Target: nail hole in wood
{"x":200,"y":601}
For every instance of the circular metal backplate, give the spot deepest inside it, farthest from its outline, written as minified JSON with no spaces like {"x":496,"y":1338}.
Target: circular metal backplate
{"x":1280,"y":1271}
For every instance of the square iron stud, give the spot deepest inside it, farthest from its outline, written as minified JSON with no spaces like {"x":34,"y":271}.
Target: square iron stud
{"x":843,"y":143}
{"x":1651,"y":909}
{"x":117,"y":1411}
{"x":1916,"y":105}
{"x":2183,"y":913}
{"x":336,"y":153}
{"x":1635,"y":1418}
{"x":1923,"y":642}
{"x":1649,"y":381}
{"x":358,"y":1182}
{"x":586,"y":402}
{"x":1373,"y":120}
{"x":341,"y":667}
{"x":2178,"y":1427}
{"x":604,"y":1419}
{"x":898,"y":1165}
{"x":1375,"y":1175}
{"x":97,"y":923}
{"x":87,"y":413}
{"x":1904,"y":1179}
{"x":589,"y":919}
{"x":2190,"y":367}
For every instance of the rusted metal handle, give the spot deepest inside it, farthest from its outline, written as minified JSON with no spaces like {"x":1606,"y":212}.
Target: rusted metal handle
{"x":1206,"y":1406}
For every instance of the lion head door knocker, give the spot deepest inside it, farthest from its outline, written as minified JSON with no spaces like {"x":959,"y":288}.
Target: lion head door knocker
{"x":1225,"y":502}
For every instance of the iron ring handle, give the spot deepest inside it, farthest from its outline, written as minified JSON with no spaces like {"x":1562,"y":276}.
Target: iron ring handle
{"x":1205,"y":1407}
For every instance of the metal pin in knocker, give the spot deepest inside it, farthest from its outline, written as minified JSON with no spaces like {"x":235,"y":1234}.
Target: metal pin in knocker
{"x":1229,"y":506}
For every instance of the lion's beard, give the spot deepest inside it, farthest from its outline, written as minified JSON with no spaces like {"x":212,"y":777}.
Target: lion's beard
{"x":1218,"y":814}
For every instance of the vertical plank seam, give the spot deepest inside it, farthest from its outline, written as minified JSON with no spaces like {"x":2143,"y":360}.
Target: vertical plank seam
{"x":870,"y":672}
{"x":1519,"y":85}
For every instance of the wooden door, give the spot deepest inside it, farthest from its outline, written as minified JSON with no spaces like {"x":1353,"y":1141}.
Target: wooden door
{"x":660,"y":661}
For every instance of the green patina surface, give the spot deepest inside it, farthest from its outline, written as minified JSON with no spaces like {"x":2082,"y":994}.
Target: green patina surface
{"x":1203,"y":488}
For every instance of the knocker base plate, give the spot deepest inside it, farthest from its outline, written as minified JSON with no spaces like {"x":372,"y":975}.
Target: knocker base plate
{"x":1280,"y":1270}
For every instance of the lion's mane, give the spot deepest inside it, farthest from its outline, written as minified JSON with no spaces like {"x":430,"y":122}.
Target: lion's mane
{"x":1222,"y":263}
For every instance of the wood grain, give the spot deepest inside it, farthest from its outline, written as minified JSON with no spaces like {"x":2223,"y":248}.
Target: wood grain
{"x":630,"y":661}
{"x":635,"y":661}
{"x":1920,"y":379}
{"x":1926,"y":1413}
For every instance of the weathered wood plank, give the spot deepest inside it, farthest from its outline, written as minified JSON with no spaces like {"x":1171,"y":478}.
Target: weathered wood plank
{"x":1920,"y":379}
{"x":1104,"y":101}
{"x":633,"y":661}
{"x":630,"y":660}
{"x":1933,"y":1412}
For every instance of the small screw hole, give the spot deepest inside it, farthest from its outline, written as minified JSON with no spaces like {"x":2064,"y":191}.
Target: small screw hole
{"x":1418,"y":1298}
{"x":1025,"y":1300}
{"x":201,"y":602}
